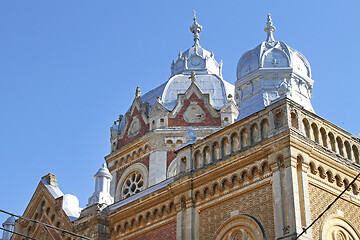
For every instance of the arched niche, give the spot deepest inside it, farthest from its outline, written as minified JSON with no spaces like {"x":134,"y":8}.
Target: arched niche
{"x":242,"y":226}
{"x":338,"y":228}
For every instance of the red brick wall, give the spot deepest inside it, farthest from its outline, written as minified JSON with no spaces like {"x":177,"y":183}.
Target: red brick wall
{"x":166,"y":232}
{"x":209,"y":120}
{"x":170,"y":156}
{"x":54,"y":234}
{"x":144,"y":129}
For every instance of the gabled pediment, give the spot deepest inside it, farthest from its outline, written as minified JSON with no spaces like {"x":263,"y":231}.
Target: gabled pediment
{"x":48,"y":205}
{"x":158,"y":109}
{"x":192,"y":91}
{"x":135,"y":118}
{"x":229,"y":107}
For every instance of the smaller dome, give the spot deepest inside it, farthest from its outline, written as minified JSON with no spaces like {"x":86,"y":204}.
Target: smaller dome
{"x":272,"y":54}
{"x":103,"y":172}
{"x":9,"y":221}
{"x":196,"y":58}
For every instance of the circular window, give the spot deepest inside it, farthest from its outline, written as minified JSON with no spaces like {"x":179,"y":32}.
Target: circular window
{"x":133,"y":183}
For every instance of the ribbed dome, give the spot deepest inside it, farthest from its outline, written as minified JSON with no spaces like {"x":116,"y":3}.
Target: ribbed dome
{"x":272,"y":54}
{"x":103,"y":172}
{"x":270,"y":72}
{"x":213,"y":84}
{"x":196,"y":59}
{"x":207,"y":70}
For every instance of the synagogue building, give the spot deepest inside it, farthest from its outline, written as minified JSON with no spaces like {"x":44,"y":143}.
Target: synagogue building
{"x":201,"y":157}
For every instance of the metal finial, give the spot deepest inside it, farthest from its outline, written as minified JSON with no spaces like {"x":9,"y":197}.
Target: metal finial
{"x":195,"y":29}
{"x":138,"y":92}
{"x":269,"y":29}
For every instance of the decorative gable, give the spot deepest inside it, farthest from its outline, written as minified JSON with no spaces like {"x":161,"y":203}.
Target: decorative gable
{"x":229,"y":113}
{"x":136,"y":122}
{"x":158,"y":109}
{"x":194,"y":109}
{"x":48,"y":205}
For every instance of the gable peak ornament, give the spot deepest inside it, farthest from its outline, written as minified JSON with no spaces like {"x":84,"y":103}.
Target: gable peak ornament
{"x":193,"y":77}
{"x":269,"y":29}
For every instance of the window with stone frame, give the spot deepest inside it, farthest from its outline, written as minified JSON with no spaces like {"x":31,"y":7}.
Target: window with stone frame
{"x":133,"y":184}
{"x":132,"y":181}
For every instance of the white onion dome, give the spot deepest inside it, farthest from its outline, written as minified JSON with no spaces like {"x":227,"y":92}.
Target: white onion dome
{"x":103,"y":172}
{"x":9,"y":221}
{"x":272,"y":54}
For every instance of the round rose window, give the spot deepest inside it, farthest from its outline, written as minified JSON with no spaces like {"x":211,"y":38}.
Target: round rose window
{"x":133,"y":183}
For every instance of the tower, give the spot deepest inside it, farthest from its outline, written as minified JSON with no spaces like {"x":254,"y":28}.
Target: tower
{"x":102,"y":187}
{"x":270,"y":72}
{"x":9,"y":226}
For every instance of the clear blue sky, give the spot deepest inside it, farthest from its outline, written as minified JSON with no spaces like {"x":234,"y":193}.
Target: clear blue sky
{"x":69,"y":68}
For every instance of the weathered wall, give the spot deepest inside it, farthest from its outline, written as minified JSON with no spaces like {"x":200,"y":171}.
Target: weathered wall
{"x":257,"y":203}
{"x":320,"y":199}
{"x":166,"y":232}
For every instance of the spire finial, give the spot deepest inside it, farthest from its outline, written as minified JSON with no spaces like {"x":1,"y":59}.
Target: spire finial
{"x":195,"y":29}
{"x":269,"y":29}
{"x":137,"y":92}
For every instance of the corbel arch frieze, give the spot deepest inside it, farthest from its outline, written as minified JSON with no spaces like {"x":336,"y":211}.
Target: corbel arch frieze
{"x":332,"y":177}
{"x":232,"y":181}
{"x":142,"y":219}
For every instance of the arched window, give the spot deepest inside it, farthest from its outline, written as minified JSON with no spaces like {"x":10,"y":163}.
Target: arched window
{"x":323,"y":137}
{"x":133,"y":180}
{"x":216,"y":151}
{"x":294,"y":120}
{"x":207,"y":155}
{"x":254,"y":133}
{"x":348,"y":150}
{"x":225,"y":147}
{"x":315,"y":132}
{"x":264,"y":128}
{"x":244,"y":138}
{"x":197,"y":160}
{"x":133,"y":183}
{"x":332,"y":141}
{"x":356,"y":153}
{"x":235,"y":142}
{"x":340,"y":146}
{"x":306,"y":127}
{"x":278,"y":119}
